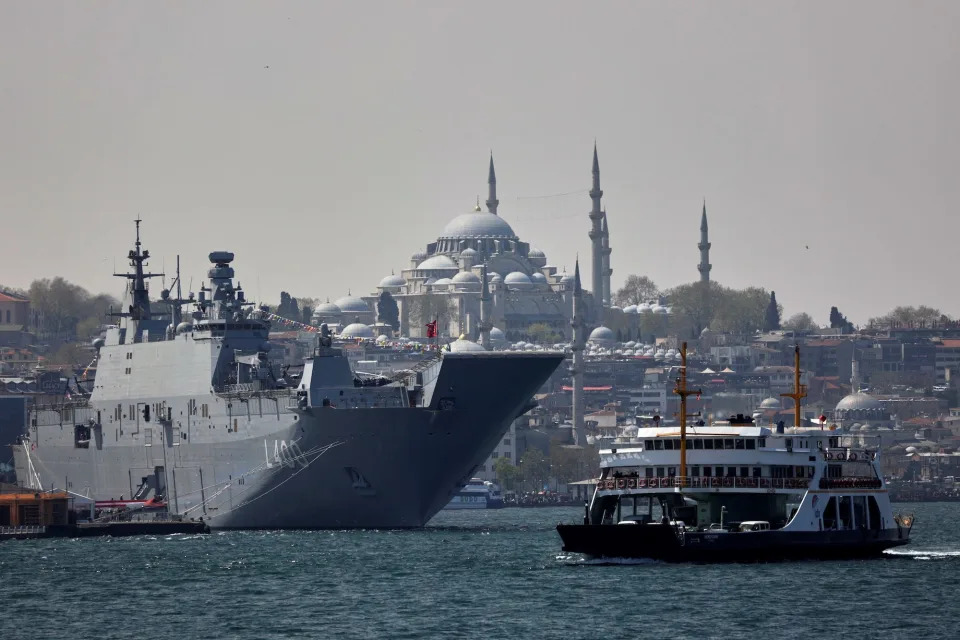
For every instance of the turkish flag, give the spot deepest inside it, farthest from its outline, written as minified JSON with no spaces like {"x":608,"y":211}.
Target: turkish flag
{"x":823,"y":418}
{"x":432,"y":329}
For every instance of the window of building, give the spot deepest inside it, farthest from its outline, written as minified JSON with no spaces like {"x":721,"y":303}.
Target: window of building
{"x":506,"y":454}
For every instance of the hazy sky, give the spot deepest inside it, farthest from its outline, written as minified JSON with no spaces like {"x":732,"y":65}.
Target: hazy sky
{"x":831,"y":125}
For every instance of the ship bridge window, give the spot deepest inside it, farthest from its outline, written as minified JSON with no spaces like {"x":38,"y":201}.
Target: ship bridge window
{"x":697,"y":443}
{"x":727,"y":444}
{"x":751,"y":443}
{"x":875,"y":523}
{"x":658,"y":445}
{"x":738,"y":443}
{"x":648,"y":445}
{"x":708,"y":443}
{"x":830,"y":514}
{"x":761,"y":442}
{"x":669,"y":445}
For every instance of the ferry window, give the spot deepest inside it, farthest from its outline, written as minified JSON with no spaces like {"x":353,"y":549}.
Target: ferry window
{"x":738,"y":443}
{"x":744,"y":472}
{"x":708,"y":443}
{"x":731,"y":472}
{"x":648,"y":472}
{"x":658,"y":445}
{"x":756,"y":472}
{"x":728,"y":443}
{"x":668,"y":445}
{"x":761,"y":442}
{"x":751,"y":443}
{"x":718,"y":472}
{"x":801,"y":473}
{"x":860,"y":511}
{"x":718,"y":443}
{"x":659,"y":472}
{"x":875,"y":522}
{"x":707,"y":472}
{"x":811,"y":471}
{"x":648,"y":444}
{"x":830,"y":514}
{"x":846,"y":512}
{"x":695,"y":472}
{"x":698,"y":444}
{"x":672,"y":471}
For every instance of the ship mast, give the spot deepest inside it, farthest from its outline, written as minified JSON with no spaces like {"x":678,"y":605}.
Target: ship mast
{"x":799,"y":390}
{"x":682,"y":391}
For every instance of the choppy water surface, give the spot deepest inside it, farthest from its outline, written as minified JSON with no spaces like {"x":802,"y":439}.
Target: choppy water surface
{"x":489,"y":574}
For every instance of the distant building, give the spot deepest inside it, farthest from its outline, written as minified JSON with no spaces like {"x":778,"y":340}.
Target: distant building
{"x":14,"y":318}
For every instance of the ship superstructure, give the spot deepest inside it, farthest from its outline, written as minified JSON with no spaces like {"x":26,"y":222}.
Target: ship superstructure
{"x":186,"y":410}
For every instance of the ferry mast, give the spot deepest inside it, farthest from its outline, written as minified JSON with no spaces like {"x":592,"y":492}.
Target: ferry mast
{"x":682,"y":391}
{"x":799,"y":390}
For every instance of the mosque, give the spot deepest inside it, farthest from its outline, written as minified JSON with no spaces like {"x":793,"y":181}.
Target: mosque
{"x":479,"y":253}
{"x":445,"y":281}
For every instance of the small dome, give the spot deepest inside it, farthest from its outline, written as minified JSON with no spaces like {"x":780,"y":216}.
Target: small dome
{"x":565,"y":277}
{"x":419,"y":256}
{"x":494,"y":277}
{"x":478,"y":224}
{"x":659,"y":309}
{"x":517,"y":279}
{"x":643,"y":308}
{"x":630,"y":309}
{"x":442,"y":282}
{"x":770,"y":403}
{"x":326,"y":309}
{"x":859,"y":402}
{"x":462,"y":345}
{"x":466,"y":276}
{"x":537,"y":258}
{"x":393,"y":281}
{"x":538,"y":278}
{"x":602,"y":334}
{"x":496,"y":335}
{"x":350,"y":304}
{"x":468,"y":252}
{"x":438,"y":261}
{"x":356,"y":330}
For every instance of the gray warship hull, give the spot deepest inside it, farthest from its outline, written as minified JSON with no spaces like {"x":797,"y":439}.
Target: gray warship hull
{"x":266,"y":461}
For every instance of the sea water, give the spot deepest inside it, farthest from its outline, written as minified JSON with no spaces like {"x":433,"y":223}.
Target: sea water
{"x":469,"y":574}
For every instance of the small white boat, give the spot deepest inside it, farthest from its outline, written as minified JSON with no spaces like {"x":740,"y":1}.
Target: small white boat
{"x":477,"y":494}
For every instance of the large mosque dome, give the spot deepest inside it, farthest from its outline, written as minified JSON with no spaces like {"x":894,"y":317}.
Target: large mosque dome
{"x":356,"y":330}
{"x":602,"y":335}
{"x":438,"y":261}
{"x":478,"y":224}
{"x":350,"y":304}
{"x":858,"y":402}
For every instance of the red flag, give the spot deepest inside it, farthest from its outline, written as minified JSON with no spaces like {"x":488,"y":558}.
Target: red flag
{"x":432,"y":329}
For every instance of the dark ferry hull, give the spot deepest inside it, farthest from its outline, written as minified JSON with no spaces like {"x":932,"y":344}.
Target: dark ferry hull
{"x":663,"y":542}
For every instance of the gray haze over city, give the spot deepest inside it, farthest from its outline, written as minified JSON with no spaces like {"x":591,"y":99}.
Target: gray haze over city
{"x":325,"y":143}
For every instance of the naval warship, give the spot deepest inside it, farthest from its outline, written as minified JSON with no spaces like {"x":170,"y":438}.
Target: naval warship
{"x":187,"y":412}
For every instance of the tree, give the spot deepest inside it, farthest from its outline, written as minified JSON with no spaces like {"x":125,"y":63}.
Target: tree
{"x":507,"y":475}
{"x":801,"y":323}
{"x":771,"y":319}
{"x":921,"y":316}
{"x":288,"y":307}
{"x":429,"y":307}
{"x":387,"y":310}
{"x":307,"y":314}
{"x":63,"y":311}
{"x":541,"y":333}
{"x":696,"y":302}
{"x":635,"y":290}
{"x":839,"y":321}
{"x":534,"y":469}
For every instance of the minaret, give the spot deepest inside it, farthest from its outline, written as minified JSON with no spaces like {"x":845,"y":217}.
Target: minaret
{"x":607,"y":271}
{"x":596,"y":231}
{"x":704,"y":247}
{"x":484,"y":309}
{"x":492,"y":201}
{"x":579,"y":432}
{"x":854,"y":373}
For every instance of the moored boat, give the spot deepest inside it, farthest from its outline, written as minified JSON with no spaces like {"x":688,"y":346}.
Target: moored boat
{"x":736,"y":491}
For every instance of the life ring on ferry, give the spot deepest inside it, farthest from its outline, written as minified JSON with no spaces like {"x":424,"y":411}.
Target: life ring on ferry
{"x":841,"y":456}
{"x":728,"y":482}
{"x":632,"y":483}
{"x":621,"y":483}
{"x":610,"y":483}
{"x":641,"y":483}
{"x":852,"y":457}
{"x":828,"y":455}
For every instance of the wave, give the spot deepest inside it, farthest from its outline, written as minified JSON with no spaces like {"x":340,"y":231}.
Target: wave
{"x":923,"y":554}
{"x":574,"y":559}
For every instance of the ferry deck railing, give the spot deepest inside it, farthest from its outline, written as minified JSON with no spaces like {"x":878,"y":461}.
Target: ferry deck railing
{"x":674,"y":482}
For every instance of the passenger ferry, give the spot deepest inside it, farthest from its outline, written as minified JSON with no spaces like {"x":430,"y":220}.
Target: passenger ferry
{"x":735,"y":491}
{"x":477,"y":494}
